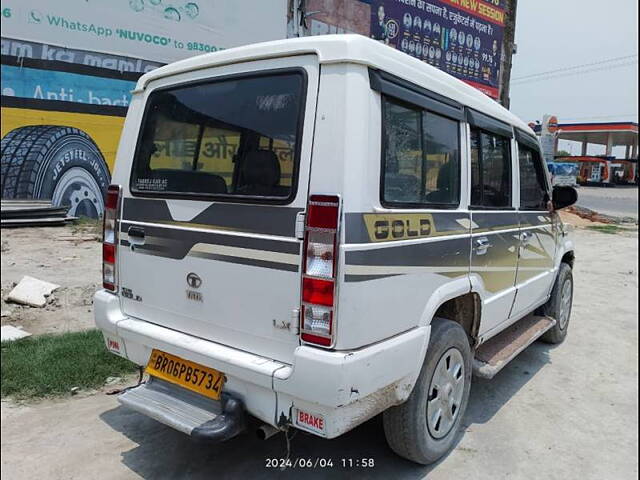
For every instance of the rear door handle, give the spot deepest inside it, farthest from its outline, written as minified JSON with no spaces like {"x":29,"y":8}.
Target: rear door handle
{"x":482,"y":244}
{"x":136,"y":235}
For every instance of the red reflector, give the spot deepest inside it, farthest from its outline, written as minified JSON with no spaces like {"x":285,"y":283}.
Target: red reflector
{"x":108,"y":253}
{"x":323,"y":212}
{"x":319,"y":292}
{"x":113,"y":192}
{"x":307,"y":337}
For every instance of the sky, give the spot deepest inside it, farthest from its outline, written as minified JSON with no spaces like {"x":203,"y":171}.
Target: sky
{"x":552,"y":34}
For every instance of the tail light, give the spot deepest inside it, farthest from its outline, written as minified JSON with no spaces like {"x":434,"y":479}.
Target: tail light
{"x":319,"y":270}
{"x":110,"y":238}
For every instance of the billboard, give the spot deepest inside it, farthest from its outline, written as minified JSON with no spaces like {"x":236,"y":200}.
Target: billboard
{"x":159,"y":30}
{"x":68,"y":68}
{"x":461,"y":37}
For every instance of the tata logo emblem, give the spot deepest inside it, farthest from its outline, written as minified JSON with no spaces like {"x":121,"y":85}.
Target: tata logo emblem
{"x":193,"y":280}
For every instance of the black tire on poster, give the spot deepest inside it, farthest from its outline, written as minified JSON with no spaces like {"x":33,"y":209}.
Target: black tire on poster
{"x":61,"y":164}
{"x":426,"y":426}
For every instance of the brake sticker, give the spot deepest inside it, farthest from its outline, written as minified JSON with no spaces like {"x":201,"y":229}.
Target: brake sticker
{"x":309,"y":421}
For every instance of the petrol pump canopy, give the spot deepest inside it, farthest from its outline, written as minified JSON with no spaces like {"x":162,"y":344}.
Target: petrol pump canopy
{"x":621,"y":133}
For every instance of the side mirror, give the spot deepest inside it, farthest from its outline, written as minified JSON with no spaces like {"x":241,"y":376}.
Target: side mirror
{"x":564,"y":196}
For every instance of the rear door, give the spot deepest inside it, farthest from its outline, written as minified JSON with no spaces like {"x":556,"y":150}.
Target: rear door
{"x":537,"y":232}
{"x":220,"y":173}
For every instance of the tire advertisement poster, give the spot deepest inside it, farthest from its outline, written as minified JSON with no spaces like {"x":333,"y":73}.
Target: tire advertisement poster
{"x":67,"y":71}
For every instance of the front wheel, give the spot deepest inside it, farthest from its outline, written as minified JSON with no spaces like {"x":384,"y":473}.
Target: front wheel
{"x":559,"y":306}
{"x":425,"y":427}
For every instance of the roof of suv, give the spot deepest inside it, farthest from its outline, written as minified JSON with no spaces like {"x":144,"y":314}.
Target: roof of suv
{"x":347,"y":49}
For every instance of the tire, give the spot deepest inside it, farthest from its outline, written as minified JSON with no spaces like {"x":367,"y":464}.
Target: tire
{"x":406,"y":428}
{"x":559,"y":306}
{"x":50,"y":162}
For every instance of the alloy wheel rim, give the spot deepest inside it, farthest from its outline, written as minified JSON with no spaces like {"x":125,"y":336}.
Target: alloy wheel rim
{"x":445,"y":393}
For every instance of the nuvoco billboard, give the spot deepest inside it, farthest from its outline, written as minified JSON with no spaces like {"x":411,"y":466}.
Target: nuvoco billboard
{"x":67,"y":71}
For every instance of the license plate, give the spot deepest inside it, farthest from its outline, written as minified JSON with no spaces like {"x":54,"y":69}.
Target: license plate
{"x":193,"y":376}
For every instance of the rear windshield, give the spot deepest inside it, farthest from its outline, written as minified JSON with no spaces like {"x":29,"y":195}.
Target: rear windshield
{"x":236,"y":137}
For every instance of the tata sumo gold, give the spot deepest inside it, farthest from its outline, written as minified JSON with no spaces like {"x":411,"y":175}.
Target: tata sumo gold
{"x":311,"y":232}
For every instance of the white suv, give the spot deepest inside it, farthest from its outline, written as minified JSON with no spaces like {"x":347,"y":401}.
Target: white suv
{"x":318,"y":230}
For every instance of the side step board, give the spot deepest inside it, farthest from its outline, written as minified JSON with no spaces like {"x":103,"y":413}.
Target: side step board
{"x":186,"y":411}
{"x":493,"y":355}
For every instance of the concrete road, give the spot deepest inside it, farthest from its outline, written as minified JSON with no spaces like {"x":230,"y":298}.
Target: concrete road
{"x":617,"y":201}
{"x":569,"y":412}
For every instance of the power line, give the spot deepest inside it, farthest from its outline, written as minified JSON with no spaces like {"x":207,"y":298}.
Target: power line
{"x":571,"y":74}
{"x":574,"y":67}
{"x":578,"y":72}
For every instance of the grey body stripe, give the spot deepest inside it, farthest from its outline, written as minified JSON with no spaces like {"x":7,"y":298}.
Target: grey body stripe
{"x":182,"y":240}
{"x":165,"y":251}
{"x":177,"y":243}
{"x":356,"y":229}
{"x":365,"y":278}
{"x":446,"y":253}
{"x":246,"y":261}
{"x":262,"y":219}
{"x":449,"y":256}
{"x":495,"y":220}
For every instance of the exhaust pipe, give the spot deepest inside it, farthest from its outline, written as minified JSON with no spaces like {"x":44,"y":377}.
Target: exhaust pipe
{"x":266,"y":431}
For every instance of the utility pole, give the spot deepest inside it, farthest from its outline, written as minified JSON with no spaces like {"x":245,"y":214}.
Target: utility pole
{"x":508,"y":43}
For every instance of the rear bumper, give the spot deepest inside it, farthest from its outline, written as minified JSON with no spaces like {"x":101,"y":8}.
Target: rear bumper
{"x":324,"y":392}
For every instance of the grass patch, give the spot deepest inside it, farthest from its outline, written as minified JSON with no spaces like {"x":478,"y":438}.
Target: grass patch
{"x":49,"y":365}
{"x":611,"y":229}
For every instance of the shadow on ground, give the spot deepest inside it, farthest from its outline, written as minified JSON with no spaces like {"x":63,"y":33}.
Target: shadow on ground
{"x":165,"y":453}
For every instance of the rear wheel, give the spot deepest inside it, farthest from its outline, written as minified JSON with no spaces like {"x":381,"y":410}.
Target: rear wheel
{"x":425,"y":427}
{"x":62,"y":164}
{"x":559,"y":305}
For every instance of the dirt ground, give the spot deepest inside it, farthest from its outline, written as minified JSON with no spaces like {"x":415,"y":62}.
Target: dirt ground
{"x":69,"y":256}
{"x":555,"y":412}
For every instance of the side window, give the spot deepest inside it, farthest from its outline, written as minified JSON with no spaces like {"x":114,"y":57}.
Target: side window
{"x":533,"y":186}
{"x":490,"y":170}
{"x":421,"y":160}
